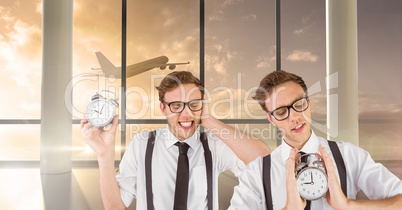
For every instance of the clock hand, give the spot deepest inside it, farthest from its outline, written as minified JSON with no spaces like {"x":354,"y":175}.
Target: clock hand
{"x":101,"y":109}
{"x":312,"y":180}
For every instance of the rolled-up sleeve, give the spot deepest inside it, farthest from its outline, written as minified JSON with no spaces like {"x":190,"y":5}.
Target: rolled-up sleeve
{"x":127,"y":176}
{"x":249,"y":194}
{"x":374,"y":179}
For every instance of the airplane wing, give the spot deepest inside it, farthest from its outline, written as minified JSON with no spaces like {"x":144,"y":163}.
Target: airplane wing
{"x":171,"y":65}
{"x":111,"y":70}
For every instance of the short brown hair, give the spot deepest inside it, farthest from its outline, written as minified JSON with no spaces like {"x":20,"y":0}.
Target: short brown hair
{"x":175,"y":79}
{"x":273,"y":79}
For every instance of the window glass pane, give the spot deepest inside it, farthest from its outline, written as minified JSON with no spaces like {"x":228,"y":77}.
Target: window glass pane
{"x":380,"y":98}
{"x":304,"y":50}
{"x":97,"y":28}
{"x":81,"y":151}
{"x":19,"y":142}
{"x":154,"y":29}
{"x":20,"y":60}
{"x":240,"y":50}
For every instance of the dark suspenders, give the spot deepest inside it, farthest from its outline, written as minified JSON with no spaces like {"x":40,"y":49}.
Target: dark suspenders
{"x":266,"y":176}
{"x":208,"y":165}
{"x":148,"y":169}
{"x":340,"y":164}
{"x":266,"y":172}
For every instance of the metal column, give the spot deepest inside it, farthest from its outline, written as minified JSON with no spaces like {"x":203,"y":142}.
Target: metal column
{"x":342,"y":70}
{"x":56,"y":119}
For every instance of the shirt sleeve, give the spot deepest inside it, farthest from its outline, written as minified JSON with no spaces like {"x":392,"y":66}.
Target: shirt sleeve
{"x":127,"y":176}
{"x":223,"y":157}
{"x":249,"y":194}
{"x":374,"y":179}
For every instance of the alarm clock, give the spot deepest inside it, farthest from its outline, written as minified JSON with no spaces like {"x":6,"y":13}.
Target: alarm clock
{"x":312,"y":180}
{"x":101,"y":110}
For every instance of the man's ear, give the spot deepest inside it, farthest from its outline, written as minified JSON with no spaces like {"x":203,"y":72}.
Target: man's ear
{"x":269,"y":118}
{"x":162,"y":107}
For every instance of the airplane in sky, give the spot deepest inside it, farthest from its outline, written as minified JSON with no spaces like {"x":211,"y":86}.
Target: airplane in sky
{"x":109,"y":69}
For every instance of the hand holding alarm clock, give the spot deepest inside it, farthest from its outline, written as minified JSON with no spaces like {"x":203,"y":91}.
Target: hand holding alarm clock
{"x":312,"y":180}
{"x":101,"y":110}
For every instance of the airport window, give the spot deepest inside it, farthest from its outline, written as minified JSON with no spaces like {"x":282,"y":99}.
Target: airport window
{"x":304,"y":50}
{"x":19,"y":142}
{"x":380,"y":113}
{"x":231,"y":49}
{"x":239,"y":51}
{"x":238,"y":47}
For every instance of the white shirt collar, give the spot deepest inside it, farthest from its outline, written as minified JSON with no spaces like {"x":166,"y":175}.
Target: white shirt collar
{"x":311,"y":146}
{"x":169,"y":139}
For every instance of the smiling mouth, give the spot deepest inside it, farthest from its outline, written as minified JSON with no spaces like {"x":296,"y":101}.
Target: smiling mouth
{"x":186,"y":124}
{"x":298,"y":128}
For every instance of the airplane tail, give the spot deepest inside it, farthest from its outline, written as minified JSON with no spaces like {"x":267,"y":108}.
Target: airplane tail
{"x":107,"y":67}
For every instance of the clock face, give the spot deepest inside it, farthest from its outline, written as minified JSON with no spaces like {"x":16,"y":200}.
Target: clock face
{"x":100,"y":112}
{"x":312,"y":183}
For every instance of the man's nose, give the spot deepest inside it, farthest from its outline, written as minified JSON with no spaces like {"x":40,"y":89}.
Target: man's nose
{"x":187,"y":111}
{"x":293,"y":115}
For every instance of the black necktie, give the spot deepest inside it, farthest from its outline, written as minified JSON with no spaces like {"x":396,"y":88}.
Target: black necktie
{"x":182,"y":178}
{"x":304,"y":159}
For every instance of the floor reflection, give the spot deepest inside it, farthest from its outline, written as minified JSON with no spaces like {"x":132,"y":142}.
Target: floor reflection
{"x":28,"y":189}
{"x":20,"y":189}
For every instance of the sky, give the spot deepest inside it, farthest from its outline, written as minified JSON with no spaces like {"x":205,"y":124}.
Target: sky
{"x":239,"y":51}
{"x":239,"y":40}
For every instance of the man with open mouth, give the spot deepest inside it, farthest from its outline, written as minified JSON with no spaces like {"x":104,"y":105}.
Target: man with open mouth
{"x":177,"y":166}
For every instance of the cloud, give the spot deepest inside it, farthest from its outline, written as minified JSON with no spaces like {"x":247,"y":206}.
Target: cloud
{"x":216,"y":9}
{"x":251,"y":17}
{"x":372,"y":107}
{"x":231,"y":2}
{"x":217,"y":64}
{"x":170,"y":18}
{"x":20,"y":60}
{"x":302,"y":55}
{"x":228,"y":102}
{"x":303,"y":29}
{"x":298,"y":31}
{"x":20,"y":50}
{"x":214,"y":18}
{"x":263,"y":62}
{"x":218,"y":58}
{"x":39,"y":7}
{"x":309,"y":22}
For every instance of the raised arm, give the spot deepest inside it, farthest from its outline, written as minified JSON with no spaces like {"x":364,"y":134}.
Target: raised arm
{"x":103,"y":143}
{"x":246,"y":147}
{"x":249,"y":194}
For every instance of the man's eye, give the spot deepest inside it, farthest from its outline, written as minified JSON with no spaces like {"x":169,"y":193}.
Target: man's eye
{"x":176,"y":105}
{"x":298,"y":106}
{"x":280,"y":112}
{"x":195,"y":104}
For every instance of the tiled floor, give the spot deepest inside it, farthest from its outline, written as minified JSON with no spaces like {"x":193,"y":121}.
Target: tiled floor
{"x":26,"y":189}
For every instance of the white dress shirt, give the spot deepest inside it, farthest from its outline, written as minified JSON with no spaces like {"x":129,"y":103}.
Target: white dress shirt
{"x":376,"y":181}
{"x":131,"y":178}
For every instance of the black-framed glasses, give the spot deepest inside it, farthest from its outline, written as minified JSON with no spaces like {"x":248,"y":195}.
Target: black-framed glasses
{"x":300,"y":105}
{"x":178,"y":106}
